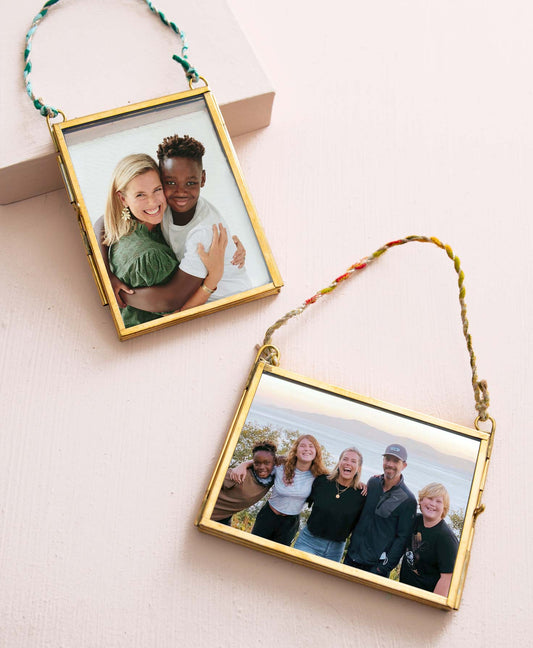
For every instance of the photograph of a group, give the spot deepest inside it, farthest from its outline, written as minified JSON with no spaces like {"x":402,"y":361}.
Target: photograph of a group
{"x":165,"y":205}
{"x":326,"y":476}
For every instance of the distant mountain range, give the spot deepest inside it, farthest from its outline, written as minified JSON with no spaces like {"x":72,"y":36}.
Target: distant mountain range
{"x":289,"y":419}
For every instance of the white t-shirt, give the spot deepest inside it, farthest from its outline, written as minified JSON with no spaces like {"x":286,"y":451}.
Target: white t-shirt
{"x":290,"y":498}
{"x":184,"y":239}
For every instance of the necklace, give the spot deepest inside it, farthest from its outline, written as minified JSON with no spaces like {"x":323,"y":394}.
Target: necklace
{"x":340,"y":492}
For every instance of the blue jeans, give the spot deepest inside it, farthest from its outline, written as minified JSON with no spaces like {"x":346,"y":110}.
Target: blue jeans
{"x":330,"y":549}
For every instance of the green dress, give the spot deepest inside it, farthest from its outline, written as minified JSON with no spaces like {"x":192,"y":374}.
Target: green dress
{"x":142,"y":259}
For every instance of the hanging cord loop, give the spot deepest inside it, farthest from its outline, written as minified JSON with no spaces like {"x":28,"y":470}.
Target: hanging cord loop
{"x":49,"y":111}
{"x":481,"y":393}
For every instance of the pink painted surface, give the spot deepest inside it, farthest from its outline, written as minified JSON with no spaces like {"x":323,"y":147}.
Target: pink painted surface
{"x":391,"y":119}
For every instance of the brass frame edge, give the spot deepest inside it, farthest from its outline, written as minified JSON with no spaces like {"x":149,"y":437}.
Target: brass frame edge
{"x":228,"y":446}
{"x":206,"y":525}
{"x":96,"y":263}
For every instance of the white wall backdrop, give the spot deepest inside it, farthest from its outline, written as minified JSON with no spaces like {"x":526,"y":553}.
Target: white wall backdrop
{"x":391,"y":118}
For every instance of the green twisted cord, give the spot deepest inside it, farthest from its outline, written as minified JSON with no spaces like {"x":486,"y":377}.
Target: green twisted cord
{"x":49,"y":111}
{"x":190,"y":72}
{"x":481,"y":394}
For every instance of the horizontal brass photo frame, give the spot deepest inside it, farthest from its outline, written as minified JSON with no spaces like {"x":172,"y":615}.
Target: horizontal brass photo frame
{"x":160,"y":260}
{"x":421,"y":539}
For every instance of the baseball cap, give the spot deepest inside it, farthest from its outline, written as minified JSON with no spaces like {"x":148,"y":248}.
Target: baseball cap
{"x":396,"y":450}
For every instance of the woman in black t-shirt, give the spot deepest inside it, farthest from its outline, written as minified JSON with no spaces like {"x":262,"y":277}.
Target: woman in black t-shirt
{"x":337,"y":501}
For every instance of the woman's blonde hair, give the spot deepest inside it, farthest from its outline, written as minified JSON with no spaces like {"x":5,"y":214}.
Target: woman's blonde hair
{"x":357,"y":477}
{"x":436,"y":490}
{"x":317,"y":466}
{"x":128,"y":168}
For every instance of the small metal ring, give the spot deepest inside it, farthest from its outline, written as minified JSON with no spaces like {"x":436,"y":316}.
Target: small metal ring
{"x":49,"y":121}
{"x":191,"y":81}
{"x":272,"y":354}
{"x":489,"y":418}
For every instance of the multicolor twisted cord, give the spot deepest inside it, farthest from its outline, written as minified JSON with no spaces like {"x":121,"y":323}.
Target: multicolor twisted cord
{"x":49,"y":111}
{"x":481,"y":393}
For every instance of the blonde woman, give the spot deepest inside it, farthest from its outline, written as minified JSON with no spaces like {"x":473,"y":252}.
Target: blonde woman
{"x":430,"y":557}
{"x":134,"y":247}
{"x":337,"y":501}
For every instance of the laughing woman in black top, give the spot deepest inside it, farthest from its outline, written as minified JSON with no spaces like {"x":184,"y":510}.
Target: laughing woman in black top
{"x":337,"y":503}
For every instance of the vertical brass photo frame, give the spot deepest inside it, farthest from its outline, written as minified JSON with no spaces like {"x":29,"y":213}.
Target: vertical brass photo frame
{"x":88,"y":151}
{"x":280,"y":408}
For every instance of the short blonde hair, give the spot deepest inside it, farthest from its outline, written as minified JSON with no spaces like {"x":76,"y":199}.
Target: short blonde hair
{"x":128,"y":168}
{"x":436,"y":490}
{"x":357,"y":477}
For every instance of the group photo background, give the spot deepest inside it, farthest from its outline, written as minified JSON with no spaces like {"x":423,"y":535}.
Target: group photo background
{"x":390,"y":119}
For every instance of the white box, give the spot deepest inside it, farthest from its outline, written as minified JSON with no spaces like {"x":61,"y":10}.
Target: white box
{"x":131,"y":61}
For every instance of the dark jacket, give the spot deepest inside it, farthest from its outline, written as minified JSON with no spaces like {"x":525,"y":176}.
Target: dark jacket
{"x":381,"y":535}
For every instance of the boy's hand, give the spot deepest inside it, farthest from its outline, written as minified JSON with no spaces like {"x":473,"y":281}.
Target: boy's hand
{"x":117,"y":286}
{"x":239,"y":257}
{"x":214,"y":259}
